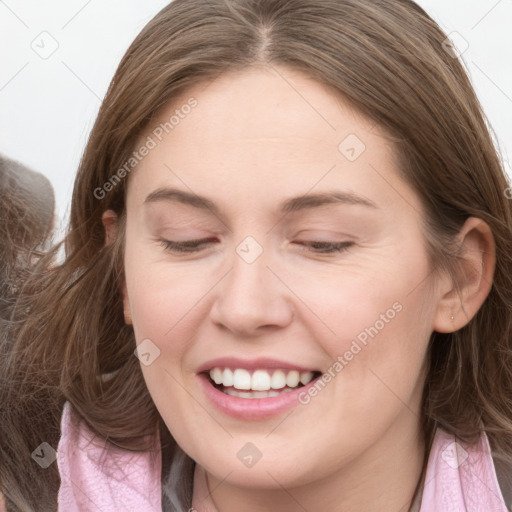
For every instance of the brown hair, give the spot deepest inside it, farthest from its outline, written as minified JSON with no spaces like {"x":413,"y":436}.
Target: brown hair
{"x":387,"y":60}
{"x":26,"y":222}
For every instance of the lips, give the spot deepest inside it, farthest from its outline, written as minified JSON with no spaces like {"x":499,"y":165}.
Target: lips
{"x":256,"y":379}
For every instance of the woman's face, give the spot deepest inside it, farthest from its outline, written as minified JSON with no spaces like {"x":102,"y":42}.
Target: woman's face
{"x":312,"y":262}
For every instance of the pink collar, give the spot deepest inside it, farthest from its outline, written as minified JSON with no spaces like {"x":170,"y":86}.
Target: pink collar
{"x":461,"y":477}
{"x":94,"y":477}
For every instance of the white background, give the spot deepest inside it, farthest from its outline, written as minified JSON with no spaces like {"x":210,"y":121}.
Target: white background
{"x":48,"y":106}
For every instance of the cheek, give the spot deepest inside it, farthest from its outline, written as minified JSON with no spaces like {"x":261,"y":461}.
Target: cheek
{"x":161,"y":298}
{"x":383,"y":301}
{"x":166,"y":308}
{"x":374,"y":324}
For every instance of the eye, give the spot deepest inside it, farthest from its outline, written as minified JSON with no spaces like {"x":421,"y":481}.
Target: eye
{"x":321,"y":247}
{"x":327,"y":247}
{"x":187,"y":246}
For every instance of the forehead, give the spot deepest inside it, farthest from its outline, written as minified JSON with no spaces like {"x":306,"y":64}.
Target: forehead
{"x":263,"y":104}
{"x":261,"y":134}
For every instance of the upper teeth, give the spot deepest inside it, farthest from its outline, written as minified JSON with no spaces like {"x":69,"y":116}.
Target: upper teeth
{"x":260,"y":380}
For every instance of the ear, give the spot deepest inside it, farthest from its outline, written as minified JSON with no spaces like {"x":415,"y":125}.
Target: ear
{"x":477,"y":261}
{"x":109,"y":220}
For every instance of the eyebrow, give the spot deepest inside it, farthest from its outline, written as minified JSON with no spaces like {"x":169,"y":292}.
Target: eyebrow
{"x":291,"y":205}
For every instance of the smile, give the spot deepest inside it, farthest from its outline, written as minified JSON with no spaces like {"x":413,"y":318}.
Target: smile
{"x":260,"y":383}
{"x":254,"y":389}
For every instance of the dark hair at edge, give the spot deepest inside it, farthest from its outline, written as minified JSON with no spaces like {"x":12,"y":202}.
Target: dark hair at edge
{"x":385,"y":58}
{"x":26,"y":225}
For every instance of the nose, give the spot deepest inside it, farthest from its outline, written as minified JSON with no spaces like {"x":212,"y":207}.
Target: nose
{"x":252,"y":298}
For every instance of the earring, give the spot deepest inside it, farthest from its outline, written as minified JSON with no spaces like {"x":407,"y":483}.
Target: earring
{"x":452,"y":318}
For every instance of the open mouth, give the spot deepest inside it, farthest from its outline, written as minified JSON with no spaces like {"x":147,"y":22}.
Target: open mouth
{"x":261,"y":383}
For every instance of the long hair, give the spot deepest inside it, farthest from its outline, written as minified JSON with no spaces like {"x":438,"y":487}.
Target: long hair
{"x":26,"y":224}
{"x":387,"y":60}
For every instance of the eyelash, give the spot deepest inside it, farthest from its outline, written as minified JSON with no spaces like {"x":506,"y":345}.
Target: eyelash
{"x":191,"y":246}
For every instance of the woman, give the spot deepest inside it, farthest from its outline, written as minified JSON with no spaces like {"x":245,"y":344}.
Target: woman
{"x":294,"y":214}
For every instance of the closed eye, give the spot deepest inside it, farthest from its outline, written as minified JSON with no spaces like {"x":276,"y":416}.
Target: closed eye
{"x":328,"y":247}
{"x":319,"y":247}
{"x":186,"y":246}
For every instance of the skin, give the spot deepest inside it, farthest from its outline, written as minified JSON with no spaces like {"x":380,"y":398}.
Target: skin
{"x":252,"y":142}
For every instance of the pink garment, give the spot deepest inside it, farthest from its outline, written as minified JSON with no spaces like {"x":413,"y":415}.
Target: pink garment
{"x":459,"y":478}
{"x":127,"y":481}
